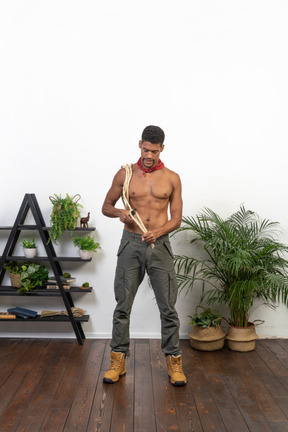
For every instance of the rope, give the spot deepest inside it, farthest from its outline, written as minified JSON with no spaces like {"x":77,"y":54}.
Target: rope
{"x":125,"y":198}
{"x":76,"y":312}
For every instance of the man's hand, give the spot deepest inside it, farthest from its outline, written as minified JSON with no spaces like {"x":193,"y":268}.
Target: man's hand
{"x":149,"y":237}
{"x":125,"y":217}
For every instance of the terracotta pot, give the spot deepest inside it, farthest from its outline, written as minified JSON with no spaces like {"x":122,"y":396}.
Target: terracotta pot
{"x":242,"y":338}
{"x":207,"y":339}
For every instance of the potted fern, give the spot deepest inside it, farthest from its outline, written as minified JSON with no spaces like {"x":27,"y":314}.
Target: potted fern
{"x":64,"y":216}
{"x":244,"y":262}
{"x":87,"y":246}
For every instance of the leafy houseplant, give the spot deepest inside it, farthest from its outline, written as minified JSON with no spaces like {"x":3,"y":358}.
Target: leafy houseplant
{"x":29,"y":247}
{"x":28,"y":244}
{"x":64,"y":216}
{"x":30,"y":275}
{"x":206,"y":318}
{"x":13,"y":267}
{"x":244,"y":262}
{"x":86,"y":244}
{"x":207,"y":333}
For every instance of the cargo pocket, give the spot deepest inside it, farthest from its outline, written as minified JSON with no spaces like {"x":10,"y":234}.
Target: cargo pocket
{"x":173,"y":289}
{"x":168,"y":247}
{"x":122,"y":246}
{"x":119,"y":283}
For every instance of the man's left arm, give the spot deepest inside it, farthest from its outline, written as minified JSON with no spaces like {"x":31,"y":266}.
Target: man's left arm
{"x":176,"y":205}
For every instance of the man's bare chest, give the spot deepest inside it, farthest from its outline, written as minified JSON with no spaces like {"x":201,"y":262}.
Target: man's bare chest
{"x":150,"y":186}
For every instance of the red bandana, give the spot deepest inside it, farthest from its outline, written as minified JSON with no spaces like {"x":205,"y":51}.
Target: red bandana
{"x":159,"y":166}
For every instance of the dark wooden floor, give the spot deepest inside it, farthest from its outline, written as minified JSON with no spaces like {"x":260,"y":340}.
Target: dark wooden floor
{"x":56,"y":385}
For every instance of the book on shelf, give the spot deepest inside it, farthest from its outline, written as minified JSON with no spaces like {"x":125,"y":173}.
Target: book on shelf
{"x":7,"y":315}
{"x":22,"y":312}
{"x":62,"y":278}
{"x":51,"y":287}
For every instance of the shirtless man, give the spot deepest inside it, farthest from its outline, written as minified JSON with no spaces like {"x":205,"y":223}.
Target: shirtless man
{"x":152,"y":189}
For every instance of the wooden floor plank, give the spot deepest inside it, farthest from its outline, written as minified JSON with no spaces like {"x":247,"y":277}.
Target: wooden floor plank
{"x":144,"y":416}
{"x":61,"y":403}
{"x":43,"y":395}
{"x":17,"y":408}
{"x":206,"y":406}
{"x":165,"y":408}
{"x":232,"y":418}
{"x":78,"y":417}
{"x":123,"y":407}
{"x":102,"y":407}
{"x":235,"y":368}
{"x":23,"y":348}
{"x":265,"y":350}
{"x":16,"y":371}
{"x":187,"y":413}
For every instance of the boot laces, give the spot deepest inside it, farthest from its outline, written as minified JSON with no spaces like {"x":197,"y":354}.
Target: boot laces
{"x":115,"y":364}
{"x":176,"y":365}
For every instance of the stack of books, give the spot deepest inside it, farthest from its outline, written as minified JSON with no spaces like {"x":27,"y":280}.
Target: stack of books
{"x":52,"y":283}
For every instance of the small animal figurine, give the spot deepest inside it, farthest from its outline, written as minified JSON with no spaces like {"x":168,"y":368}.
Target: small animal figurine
{"x":84,"y":221}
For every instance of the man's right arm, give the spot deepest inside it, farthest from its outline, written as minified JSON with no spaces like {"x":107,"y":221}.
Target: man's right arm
{"x":113,"y":195}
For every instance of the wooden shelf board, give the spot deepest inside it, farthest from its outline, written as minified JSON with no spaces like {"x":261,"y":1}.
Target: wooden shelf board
{"x":56,"y":318}
{"x":46,"y":258}
{"x":45,"y":228}
{"x":41,"y":292}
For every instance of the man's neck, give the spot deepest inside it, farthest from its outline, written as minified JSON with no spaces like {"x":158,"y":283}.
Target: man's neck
{"x":158,"y":166}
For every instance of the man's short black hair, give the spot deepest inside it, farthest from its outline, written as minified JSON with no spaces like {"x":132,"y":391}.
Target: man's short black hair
{"x":153,"y":134}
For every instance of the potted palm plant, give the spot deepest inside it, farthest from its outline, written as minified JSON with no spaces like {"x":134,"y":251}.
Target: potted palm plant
{"x":87,"y":246}
{"x":244,"y":262}
{"x":206,"y":333}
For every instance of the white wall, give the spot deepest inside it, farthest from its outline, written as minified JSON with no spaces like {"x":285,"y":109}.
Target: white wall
{"x":80,"y":80}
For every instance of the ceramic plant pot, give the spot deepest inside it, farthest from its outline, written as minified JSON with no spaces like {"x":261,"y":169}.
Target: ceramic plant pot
{"x":84,"y":254}
{"x":30,"y":252}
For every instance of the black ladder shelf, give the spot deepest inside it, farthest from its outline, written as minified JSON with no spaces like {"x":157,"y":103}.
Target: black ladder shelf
{"x":30,"y":202}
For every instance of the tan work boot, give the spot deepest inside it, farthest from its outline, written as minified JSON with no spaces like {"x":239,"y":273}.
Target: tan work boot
{"x":175,"y":371}
{"x":116,"y":369}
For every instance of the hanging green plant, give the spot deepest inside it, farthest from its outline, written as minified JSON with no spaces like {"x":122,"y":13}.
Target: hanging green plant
{"x":64,"y":216}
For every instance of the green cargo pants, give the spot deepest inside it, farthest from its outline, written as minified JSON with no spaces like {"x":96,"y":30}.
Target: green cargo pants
{"x":134,"y":258}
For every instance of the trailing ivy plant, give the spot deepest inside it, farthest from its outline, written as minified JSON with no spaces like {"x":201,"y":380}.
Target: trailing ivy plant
{"x":32,"y":275}
{"x":64,"y":216}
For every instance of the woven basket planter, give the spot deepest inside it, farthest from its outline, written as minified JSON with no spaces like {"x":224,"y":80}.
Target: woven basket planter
{"x":15,"y":280}
{"x":242,"y":339}
{"x":207,"y":339}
